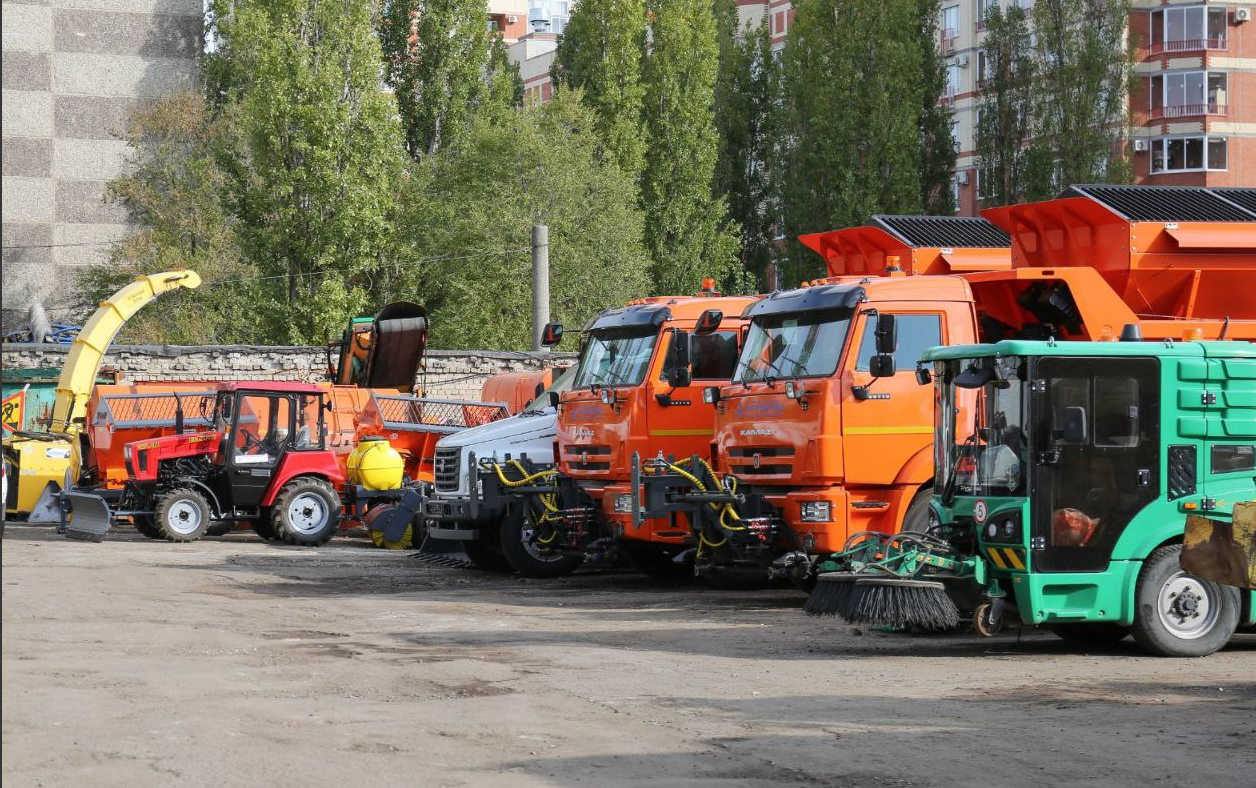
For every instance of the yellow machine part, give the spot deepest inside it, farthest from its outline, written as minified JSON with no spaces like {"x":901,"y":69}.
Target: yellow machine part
{"x":82,"y":365}
{"x":1224,"y":552}
{"x":375,"y":465}
{"x":36,"y":464}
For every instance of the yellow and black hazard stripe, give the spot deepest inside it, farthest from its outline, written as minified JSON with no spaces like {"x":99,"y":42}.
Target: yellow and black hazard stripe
{"x":1007,"y":557}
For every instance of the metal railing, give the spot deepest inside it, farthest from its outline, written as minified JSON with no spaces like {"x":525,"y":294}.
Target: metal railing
{"x":1187,"y":45}
{"x":402,"y":412}
{"x":1187,"y":110}
{"x":949,"y":37}
{"x":131,"y":411}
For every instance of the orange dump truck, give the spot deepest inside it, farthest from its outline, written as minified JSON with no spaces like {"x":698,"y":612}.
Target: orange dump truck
{"x":824,"y":431}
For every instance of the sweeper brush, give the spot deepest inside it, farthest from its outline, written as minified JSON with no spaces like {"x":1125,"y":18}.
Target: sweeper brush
{"x":891,"y":601}
{"x":831,"y":595}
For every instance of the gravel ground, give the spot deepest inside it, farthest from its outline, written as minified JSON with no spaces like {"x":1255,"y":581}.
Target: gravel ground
{"x":232,"y":662}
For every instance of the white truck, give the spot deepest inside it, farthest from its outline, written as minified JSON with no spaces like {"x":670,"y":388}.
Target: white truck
{"x":455,"y":511}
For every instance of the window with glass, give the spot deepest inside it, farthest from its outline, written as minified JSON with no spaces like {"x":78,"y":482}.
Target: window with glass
{"x":1188,"y":93}
{"x":952,"y":79}
{"x":262,"y":429}
{"x":1188,"y":28}
{"x":794,"y":345}
{"x":950,"y":22}
{"x":615,"y":357}
{"x":916,"y":334}
{"x":1178,"y":154}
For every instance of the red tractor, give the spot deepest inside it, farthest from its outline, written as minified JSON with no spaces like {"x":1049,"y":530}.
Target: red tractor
{"x":264,"y":460}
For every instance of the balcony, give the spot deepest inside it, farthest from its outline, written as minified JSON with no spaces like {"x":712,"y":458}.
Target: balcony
{"x":949,"y":37}
{"x":1187,"y":110}
{"x":1186,"y":45}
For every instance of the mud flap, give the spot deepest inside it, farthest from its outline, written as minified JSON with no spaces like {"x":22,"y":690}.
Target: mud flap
{"x":89,"y":517}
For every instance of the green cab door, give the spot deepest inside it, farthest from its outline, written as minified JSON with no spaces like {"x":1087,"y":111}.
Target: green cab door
{"x":1096,"y":457}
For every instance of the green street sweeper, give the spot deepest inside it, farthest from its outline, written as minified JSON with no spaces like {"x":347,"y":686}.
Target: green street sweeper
{"x":1066,"y":471}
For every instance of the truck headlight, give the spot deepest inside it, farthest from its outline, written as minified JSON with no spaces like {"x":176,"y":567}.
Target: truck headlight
{"x":622,"y":503}
{"x":816,"y":511}
{"x":126,"y":453}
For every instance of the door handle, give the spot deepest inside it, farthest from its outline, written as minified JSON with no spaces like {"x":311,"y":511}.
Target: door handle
{"x":1144,"y":477}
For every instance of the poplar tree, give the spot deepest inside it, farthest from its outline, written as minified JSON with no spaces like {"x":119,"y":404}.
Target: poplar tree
{"x":745,"y":105}
{"x":937,"y":141}
{"x":1081,"y":112}
{"x":685,"y":223}
{"x":436,"y":57}
{"x":1006,"y":109}
{"x":854,"y":88}
{"x":313,"y":173}
{"x":600,"y":52}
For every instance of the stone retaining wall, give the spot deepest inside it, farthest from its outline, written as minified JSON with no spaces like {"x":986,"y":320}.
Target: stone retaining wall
{"x":449,"y":374}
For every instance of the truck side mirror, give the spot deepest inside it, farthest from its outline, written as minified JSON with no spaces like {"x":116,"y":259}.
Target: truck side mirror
{"x":1074,"y":424}
{"x":882,"y":365}
{"x":553,"y":399}
{"x":923,"y":376}
{"x":708,"y":321}
{"x":886,"y":334}
{"x":552,"y":334}
{"x":677,"y":373}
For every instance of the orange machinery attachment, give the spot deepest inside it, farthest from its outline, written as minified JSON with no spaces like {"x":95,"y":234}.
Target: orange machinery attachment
{"x":518,"y":389}
{"x":1178,"y":261}
{"x":413,"y":425}
{"x":912,"y":245}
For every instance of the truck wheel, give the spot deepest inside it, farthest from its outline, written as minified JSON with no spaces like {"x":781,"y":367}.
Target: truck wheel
{"x":917,"y":515}
{"x":146,"y":525}
{"x":519,"y":546}
{"x":1100,"y":633}
{"x":182,"y":515}
{"x":306,"y":512}
{"x":1177,"y":614}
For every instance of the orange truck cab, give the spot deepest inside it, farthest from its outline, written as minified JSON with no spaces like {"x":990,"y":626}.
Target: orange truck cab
{"x":825,"y":432}
{"x":636,"y":390}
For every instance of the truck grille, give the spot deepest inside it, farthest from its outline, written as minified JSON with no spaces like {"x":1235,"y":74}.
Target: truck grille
{"x":581,"y":458}
{"x":448,"y":464}
{"x":772,"y":460}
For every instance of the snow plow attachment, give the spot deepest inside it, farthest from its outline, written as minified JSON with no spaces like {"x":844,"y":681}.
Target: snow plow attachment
{"x":87,"y":516}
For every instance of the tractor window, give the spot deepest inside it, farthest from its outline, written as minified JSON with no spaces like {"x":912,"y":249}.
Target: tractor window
{"x":916,"y":334}
{"x":310,"y":426}
{"x":263,"y":427}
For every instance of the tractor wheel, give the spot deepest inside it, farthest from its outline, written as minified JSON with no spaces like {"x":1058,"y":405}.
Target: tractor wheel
{"x":146,"y":525}
{"x":1177,"y":614}
{"x":262,"y":525}
{"x":521,"y":549}
{"x":1100,"y":633}
{"x":917,"y":516}
{"x":306,"y":512}
{"x":182,"y":515}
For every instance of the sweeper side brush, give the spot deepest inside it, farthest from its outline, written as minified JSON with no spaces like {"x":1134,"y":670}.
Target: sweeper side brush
{"x":891,"y":601}
{"x":831,"y":595}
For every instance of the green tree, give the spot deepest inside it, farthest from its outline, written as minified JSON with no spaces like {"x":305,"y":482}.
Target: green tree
{"x":600,"y":52}
{"x":503,"y":87}
{"x":471,"y":212}
{"x":854,"y":85}
{"x":685,"y":224}
{"x":937,"y":142}
{"x":745,"y":107}
{"x":314,"y":174}
{"x":436,"y":55}
{"x":172,"y":192}
{"x":1081,"y":112}
{"x":1006,"y":109}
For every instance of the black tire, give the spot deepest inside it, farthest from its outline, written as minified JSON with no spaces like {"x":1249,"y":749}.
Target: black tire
{"x":655,"y":561}
{"x":1101,"y":633}
{"x":221,"y":527}
{"x":917,"y":516}
{"x":262,"y":526}
{"x":1177,"y":614}
{"x":486,"y":552}
{"x":527,"y":557}
{"x":182,"y":515}
{"x":306,"y":512}
{"x":146,"y":525}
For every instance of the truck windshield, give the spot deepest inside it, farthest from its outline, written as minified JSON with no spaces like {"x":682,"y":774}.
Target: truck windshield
{"x":798,"y":345}
{"x":615,"y":358}
{"x":991,"y":456}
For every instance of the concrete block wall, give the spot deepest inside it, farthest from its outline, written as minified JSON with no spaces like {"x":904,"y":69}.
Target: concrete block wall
{"x":449,"y":374}
{"x":73,"y":71}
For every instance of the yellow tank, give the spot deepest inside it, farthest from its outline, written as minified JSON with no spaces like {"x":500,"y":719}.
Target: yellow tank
{"x":375,"y":465}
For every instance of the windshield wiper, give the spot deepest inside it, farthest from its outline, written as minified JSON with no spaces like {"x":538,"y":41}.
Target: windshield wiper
{"x":773,"y":365}
{"x":948,"y":489}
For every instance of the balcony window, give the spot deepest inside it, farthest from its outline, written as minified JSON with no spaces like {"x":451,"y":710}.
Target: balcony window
{"x":1186,"y":154}
{"x":983,"y":8}
{"x":950,"y":27}
{"x":1186,"y":93}
{"x":1187,"y":29}
{"x":952,"y":81}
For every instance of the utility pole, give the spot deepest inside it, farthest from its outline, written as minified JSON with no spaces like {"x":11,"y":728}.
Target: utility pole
{"x":540,"y":283}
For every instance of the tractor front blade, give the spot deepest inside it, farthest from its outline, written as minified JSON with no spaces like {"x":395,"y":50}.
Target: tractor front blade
{"x":89,"y":517}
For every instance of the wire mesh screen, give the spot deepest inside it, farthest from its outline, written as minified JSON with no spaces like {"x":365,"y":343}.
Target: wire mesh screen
{"x":414,"y":413}
{"x":157,"y":410}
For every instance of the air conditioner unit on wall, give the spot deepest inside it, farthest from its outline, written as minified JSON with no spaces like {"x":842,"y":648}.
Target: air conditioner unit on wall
{"x":1242,"y":15}
{"x":962,"y":178}
{"x":962,"y":61}
{"x":510,"y":20}
{"x":1140,"y":146}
